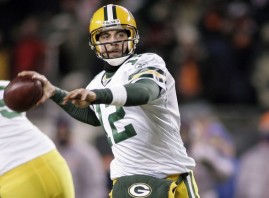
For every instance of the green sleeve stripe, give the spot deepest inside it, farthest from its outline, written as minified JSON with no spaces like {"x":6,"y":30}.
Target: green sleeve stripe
{"x":2,"y":87}
{"x":151,"y":76}
{"x":146,"y":69}
{"x":157,"y":73}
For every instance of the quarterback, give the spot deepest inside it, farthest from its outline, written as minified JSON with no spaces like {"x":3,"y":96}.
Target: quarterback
{"x":30,"y":165}
{"x":135,"y":102}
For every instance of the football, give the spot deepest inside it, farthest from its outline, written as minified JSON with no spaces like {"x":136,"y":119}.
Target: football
{"x":22,"y":93}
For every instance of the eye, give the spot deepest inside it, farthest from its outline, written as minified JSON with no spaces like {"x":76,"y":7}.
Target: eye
{"x":122,"y":35}
{"x":103,"y":37}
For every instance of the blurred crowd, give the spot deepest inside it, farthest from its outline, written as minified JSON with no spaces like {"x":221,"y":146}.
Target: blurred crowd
{"x":218,"y":52}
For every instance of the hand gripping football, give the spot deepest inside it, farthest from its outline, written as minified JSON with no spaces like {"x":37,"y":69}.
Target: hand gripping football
{"x":22,"y":93}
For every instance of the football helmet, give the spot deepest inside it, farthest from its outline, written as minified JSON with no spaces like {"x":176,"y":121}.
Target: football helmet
{"x":112,"y":17}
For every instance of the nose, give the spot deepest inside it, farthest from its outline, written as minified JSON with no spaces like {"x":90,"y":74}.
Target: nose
{"x":115,"y":41}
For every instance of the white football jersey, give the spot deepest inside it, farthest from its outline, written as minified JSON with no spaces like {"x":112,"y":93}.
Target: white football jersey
{"x":20,"y":140}
{"x":144,"y":139}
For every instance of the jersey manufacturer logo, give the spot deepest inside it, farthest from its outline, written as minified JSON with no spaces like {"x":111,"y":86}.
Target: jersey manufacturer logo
{"x":140,"y":65}
{"x":139,"y":190}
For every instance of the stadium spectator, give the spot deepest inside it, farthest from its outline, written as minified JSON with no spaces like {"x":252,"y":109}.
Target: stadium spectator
{"x":212,"y":147}
{"x":28,"y":52}
{"x":253,"y":175}
{"x":83,"y":159}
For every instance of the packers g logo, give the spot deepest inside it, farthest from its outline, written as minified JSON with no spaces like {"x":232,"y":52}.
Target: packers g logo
{"x":139,"y":190}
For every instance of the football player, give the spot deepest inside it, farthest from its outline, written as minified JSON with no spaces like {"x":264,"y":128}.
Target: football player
{"x":30,"y":165}
{"x":134,"y":100}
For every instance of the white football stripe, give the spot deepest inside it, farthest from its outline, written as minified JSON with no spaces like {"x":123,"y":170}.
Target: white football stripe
{"x":109,"y":12}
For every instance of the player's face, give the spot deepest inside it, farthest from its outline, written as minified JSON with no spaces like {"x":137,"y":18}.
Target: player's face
{"x":114,"y":44}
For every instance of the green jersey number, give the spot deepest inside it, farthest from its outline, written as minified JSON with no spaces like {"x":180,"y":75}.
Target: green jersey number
{"x":118,"y":115}
{"x":6,"y":113}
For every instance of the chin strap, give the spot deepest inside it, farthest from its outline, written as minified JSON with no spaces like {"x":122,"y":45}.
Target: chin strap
{"x":116,"y":61}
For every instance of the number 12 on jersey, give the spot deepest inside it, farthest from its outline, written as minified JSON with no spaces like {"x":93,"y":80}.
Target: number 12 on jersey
{"x":108,"y":116}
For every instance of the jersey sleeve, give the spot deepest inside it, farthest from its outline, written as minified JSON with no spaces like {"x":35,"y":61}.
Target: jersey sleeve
{"x":149,"y":66}
{"x":85,"y":115}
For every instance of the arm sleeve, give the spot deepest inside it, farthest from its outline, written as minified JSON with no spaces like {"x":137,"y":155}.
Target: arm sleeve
{"x":138,"y":93}
{"x":85,"y":115}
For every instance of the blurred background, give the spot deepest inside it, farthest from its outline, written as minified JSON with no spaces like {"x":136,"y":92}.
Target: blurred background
{"x":217,"y":51}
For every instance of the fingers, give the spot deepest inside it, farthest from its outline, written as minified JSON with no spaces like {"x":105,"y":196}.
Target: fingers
{"x":77,"y":102}
{"x":27,"y":73}
{"x":73,"y":97}
{"x":48,"y":88}
{"x":42,"y":100}
{"x":84,"y":95}
{"x":77,"y":97}
{"x":80,"y":94}
{"x":80,"y":103}
{"x":76,"y":94}
{"x":35,"y":75}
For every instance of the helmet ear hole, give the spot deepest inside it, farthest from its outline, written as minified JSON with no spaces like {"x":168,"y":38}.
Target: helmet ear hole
{"x":128,"y":33}
{"x":97,"y":37}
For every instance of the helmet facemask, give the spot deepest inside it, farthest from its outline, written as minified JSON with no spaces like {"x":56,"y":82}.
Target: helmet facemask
{"x":105,"y":55}
{"x":131,"y":41}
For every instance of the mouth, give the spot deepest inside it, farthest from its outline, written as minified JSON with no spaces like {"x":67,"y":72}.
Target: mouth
{"x":114,"y":54}
{"x":114,"y":51}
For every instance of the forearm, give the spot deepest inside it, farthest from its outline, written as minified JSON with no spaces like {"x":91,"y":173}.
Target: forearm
{"x":85,"y":115}
{"x":138,"y":93}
